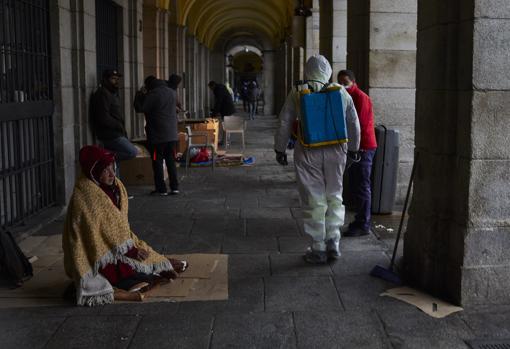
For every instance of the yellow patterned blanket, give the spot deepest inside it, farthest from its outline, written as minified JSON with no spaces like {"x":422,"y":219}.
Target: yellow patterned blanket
{"x":96,"y":233}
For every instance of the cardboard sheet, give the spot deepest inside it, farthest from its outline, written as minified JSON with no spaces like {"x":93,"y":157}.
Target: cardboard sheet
{"x":175,"y":288}
{"x":429,"y":305}
{"x":200,"y":266}
{"x":206,"y":279}
{"x":216,"y":287}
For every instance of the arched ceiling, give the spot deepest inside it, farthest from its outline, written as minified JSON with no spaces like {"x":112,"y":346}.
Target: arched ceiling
{"x":244,"y":48}
{"x":209,"y":20}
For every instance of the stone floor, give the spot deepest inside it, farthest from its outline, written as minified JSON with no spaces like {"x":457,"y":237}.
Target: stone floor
{"x":276,"y":301}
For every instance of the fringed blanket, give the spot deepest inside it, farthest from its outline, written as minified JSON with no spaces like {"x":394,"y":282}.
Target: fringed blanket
{"x":96,"y":233}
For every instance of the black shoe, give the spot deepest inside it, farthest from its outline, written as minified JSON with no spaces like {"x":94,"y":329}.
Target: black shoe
{"x":175,"y":192}
{"x":333,"y":249}
{"x":355,"y":232}
{"x":160,"y":193}
{"x":315,"y":257}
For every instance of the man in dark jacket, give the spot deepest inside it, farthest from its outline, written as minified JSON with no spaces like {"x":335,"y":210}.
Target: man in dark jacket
{"x":158,"y":102}
{"x":253,"y":95}
{"x":223,"y":102}
{"x":360,"y":171}
{"x":106,"y":117}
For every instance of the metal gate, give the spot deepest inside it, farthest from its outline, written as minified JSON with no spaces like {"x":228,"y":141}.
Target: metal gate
{"x":27,"y":180}
{"x":107,"y":33}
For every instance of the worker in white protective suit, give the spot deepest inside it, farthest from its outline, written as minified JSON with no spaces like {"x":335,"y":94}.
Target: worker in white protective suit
{"x":319,"y":171}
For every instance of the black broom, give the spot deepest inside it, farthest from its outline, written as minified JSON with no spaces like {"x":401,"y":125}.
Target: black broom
{"x":389,"y":274}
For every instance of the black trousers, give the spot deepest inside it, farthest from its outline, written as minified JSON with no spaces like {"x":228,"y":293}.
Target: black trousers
{"x":159,"y":153}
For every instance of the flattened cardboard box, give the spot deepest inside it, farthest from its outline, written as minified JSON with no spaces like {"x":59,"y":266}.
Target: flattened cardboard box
{"x":206,"y":279}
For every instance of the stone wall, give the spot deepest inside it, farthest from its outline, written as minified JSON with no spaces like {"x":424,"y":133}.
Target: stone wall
{"x":73,"y":41}
{"x":458,"y":236}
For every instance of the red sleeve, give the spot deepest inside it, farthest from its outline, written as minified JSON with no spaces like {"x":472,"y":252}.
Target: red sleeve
{"x":132,"y":253}
{"x":109,"y":271}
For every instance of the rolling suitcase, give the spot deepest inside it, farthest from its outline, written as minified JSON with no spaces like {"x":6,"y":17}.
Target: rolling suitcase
{"x":384,"y":170}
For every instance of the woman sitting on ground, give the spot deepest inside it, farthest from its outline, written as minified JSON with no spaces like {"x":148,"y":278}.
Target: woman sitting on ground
{"x":100,"y":250}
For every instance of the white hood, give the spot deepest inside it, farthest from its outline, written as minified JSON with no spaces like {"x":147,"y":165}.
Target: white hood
{"x":318,"y":68}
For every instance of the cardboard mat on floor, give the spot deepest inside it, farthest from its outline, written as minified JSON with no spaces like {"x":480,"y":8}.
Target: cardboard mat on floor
{"x":206,"y":279}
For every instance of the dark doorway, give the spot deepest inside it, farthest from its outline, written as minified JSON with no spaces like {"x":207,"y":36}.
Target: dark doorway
{"x":107,"y":36}
{"x":27,"y":176}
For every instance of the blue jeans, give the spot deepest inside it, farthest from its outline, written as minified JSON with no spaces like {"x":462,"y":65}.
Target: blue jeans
{"x":359,"y":177}
{"x":122,"y":147}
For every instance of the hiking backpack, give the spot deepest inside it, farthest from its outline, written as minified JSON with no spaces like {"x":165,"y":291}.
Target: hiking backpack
{"x":14,"y":265}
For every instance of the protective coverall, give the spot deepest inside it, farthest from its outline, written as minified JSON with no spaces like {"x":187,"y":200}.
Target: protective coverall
{"x":319,"y":171}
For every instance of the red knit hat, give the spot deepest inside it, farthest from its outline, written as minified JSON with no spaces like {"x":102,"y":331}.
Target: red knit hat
{"x":94,"y":160}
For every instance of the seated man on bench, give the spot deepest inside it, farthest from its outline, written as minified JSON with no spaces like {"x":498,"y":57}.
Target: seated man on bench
{"x":100,"y":250}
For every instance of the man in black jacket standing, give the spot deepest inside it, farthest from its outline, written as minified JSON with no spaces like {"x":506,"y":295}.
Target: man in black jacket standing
{"x":107,"y":120}
{"x":158,"y":102}
{"x":223,"y":102}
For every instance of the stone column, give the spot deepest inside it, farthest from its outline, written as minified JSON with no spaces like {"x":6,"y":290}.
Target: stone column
{"x":151,"y":40}
{"x":269,"y":79}
{"x":281,"y":78}
{"x":217,"y":69}
{"x":458,"y":238}
{"x":382,"y":53}
{"x":181,"y":65}
{"x":164,"y":59}
{"x":298,"y":44}
{"x":333,"y":33}
{"x":207,"y":63}
{"x":193,"y":76}
{"x":132,"y":57}
{"x":312,"y":31}
{"x":290,"y":66}
{"x":199,"y":63}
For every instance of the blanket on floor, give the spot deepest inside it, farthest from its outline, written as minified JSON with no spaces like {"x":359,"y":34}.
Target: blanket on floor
{"x":97,"y":233}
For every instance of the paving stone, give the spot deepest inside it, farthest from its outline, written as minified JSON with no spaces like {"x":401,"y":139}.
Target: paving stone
{"x":244,"y":295}
{"x":279,"y":201}
{"x":363,"y":292}
{"x":248,"y":265}
{"x":242,"y":202}
{"x":351,"y":329}
{"x":249,"y":244}
{"x":362,"y":243}
{"x":50,"y":312}
{"x":203,"y":204}
{"x":272,"y":227}
{"x":258,"y":330}
{"x":227,"y":226}
{"x":294,"y":244}
{"x":359,"y":262}
{"x":27,"y":332}
{"x":297,"y":212}
{"x":139,"y":308}
{"x":300,"y":293}
{"x":492,"y":324}
{"x":213,"y":213}
{"x":294,"y":265}
{"x":173,"y":331}
{"x":193,"y":244}
{"x":162,"y":226}
{"x":408,"y":327}
{"x":266,"y":213}
{"x":95,"y":332}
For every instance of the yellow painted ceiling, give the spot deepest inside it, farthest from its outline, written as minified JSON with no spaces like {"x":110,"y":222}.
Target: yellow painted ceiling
{"x":209,"y":19}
